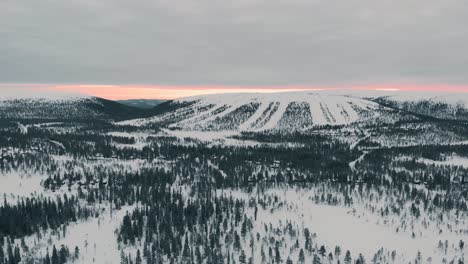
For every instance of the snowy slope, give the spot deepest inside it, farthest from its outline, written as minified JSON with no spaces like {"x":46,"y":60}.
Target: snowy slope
{"x":440,"y":105}
{"x":452,"y":98}
{"x":290,"y":111}
{"x":446,"y":105}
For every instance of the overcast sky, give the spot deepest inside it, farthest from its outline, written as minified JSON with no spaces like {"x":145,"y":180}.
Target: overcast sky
{"x":236,"y":42}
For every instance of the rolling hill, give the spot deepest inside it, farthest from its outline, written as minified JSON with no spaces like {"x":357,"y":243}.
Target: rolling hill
{"x":64,"y":108}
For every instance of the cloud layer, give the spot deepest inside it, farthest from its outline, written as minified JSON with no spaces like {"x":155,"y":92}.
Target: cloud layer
{"x":239,"y":42}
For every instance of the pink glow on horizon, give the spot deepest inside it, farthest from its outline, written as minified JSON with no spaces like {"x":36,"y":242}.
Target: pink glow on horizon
{"x":116,"y":92}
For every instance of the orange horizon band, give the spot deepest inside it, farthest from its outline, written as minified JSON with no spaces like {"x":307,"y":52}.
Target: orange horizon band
{"x":121,"y":92}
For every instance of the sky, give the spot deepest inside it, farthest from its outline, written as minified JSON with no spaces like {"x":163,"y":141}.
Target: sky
{"x":167,"y":49}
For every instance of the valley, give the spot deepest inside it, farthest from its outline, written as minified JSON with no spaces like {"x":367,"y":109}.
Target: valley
{"x":296,"y":177}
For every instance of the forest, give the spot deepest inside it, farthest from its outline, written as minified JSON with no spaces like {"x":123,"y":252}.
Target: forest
{"x":177,"y":200}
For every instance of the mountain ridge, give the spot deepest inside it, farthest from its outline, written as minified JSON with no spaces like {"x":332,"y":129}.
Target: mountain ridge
{"x":64,"y":108}
{"x":244,"y":112}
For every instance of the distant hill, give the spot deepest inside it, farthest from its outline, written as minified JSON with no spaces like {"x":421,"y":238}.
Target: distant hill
{"x":286,"y":112}
{"x":142,"y":103}
{"x":64,"y":108}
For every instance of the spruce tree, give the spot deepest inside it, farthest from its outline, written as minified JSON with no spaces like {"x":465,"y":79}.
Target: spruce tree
{"x":277,"y":253}
{"x":24,"y":247}
{"x":237,"y":242}
{"x":10,"y":252}
{"x":301,"y":256}
{"x":322,"y":251}
{"x":2,"y":255}
{"x":348,"y":258}
{"x":63,"y":254}
{"x":138,"y":259}
{"x":47,"y":258}
{"x":123,"y":259}
{"x":242,"y":257}
{"x":316,"y":260}
{"x":55,"y":257}
{"x":17,"y":255}
{"x":186,"y":251}
{"x":337,"y":251}
{"x":77,"y":252}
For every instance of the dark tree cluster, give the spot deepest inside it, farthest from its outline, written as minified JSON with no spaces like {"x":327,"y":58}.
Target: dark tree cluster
{"x":31,"y":215}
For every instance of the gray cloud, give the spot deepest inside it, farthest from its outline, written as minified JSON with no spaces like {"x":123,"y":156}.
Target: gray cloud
{"x":239,"y":42}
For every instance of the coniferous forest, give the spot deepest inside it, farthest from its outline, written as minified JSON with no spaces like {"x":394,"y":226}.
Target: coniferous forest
{"x":97,"y":191}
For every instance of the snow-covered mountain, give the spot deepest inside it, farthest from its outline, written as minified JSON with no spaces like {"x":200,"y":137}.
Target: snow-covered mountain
{"x":283,"y":112}
{"x":444,"y":105}
{"x":62,"y":107}
{"x":287,"y":111}
{"x":436,"y":104}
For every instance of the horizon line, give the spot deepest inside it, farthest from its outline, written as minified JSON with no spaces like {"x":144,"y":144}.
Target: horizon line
{"x":171,"y":92}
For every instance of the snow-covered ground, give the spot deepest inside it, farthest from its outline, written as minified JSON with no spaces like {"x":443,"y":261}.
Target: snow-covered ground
{"x":354,"y":229}
{"x":452,"y":160}
{"x":14,"y":185}
{"x":224,"y":138}
{"x":95,"y":238}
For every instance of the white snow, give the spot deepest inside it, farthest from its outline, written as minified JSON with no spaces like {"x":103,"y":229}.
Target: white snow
{"x":335,"y":104}
{"x":22,"y":128}
{"x":95,"y":238}
{"x":353,"y":163}
{"x":453,"y":160}
{"x":16,"y":184}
